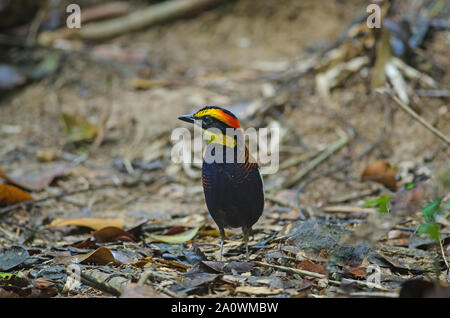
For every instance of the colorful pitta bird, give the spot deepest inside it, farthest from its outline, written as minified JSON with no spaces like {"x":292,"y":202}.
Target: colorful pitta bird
{"x":232,"y":182}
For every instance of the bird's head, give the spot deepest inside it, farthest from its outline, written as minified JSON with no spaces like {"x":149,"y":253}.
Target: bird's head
{"x":213,"y":117}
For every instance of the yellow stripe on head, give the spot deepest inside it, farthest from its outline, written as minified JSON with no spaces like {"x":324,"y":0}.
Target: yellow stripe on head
{"x":218,"y":114}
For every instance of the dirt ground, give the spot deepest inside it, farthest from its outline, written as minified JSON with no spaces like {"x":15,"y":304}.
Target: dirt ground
{"x":223,"y":57}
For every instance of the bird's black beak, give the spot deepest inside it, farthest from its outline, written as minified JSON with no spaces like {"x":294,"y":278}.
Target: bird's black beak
{"x":187,"y":118}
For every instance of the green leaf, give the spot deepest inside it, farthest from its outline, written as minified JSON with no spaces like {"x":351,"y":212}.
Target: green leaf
{"x":177,"y":238}
{"x":380,"y":202}
{"x":78,"y":128}
{"x":432,"y":229}
{"x":5,"y":275}
{"x":431,"y":209}
{"x":410,"y":186}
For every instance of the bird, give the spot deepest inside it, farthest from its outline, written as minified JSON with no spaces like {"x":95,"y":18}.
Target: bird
{"x":233,"y":188}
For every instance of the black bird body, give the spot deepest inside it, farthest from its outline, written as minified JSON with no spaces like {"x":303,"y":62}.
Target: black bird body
{"x":234,"y":192}
{"x":233,"y":188}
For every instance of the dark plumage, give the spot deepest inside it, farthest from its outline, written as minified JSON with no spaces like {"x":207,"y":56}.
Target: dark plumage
{"x":234,"y":191}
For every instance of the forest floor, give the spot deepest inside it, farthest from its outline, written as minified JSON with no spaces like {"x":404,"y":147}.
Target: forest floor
{"x":233,"y":56}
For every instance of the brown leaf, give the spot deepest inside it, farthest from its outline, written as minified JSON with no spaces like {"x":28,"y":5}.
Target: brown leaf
{"x":113,"y":234}
{"x":101,"y":256}
{"x":37,"y":181}
{"x":93,"y":223}
{"x":12,"y":195}
{"x":311,"y":267}
{"x":44,"y":287}
{"x":380,"y":172}
{"x":357,"y":272}
{"x":174,"y":230}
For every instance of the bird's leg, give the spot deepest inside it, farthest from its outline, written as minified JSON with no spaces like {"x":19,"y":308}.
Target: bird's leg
{"x":222,"y":238}
{"x":246,"y":231}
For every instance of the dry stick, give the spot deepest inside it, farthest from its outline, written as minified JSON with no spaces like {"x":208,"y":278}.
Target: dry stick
{"x":420,"y":119}
{"x":374,"y":294}
{"x":343,"y":164}
{"x":154,"y":14}
{"x":331,"y":149}
{"x":317,"y":275}
{"x":443,"y":254}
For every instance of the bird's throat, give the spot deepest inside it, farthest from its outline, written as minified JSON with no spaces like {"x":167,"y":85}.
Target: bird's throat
{"x":220,"y":139}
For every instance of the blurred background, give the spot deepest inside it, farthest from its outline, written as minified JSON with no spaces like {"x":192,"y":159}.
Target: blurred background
{"x":363,"y":112}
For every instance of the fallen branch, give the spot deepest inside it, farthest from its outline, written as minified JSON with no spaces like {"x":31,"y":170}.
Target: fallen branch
{"x":347,"y":209}
{"x":421,"y":120}
{"x":154,"y":14}
{"x":320,"y":276}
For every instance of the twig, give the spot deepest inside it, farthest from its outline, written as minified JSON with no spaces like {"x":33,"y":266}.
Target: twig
{"x":420,"y":119}
{"x":443,"y":254}
{"x":35,"y":25}
{"x":331,"y":149}
{"x":347,"y":209}
{"x":374,"y":294}
{"x":294,"y":161}
{"x":292,"y":270}
{"x":317,"y":275}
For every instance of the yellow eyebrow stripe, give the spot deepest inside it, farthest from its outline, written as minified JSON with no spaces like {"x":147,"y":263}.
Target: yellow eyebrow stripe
{"x":220,"y":115}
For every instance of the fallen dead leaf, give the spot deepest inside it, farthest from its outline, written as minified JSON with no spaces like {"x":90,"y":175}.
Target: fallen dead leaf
{"x":311,"y":267}
{"x":37,"y":181}
{"x":113,"y":234}
{"x":380,"y":172}
{"x":44,"y":287}
{"x":12,"y":195}
{"x":93,"y":223}
{"x":101,"y":256}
